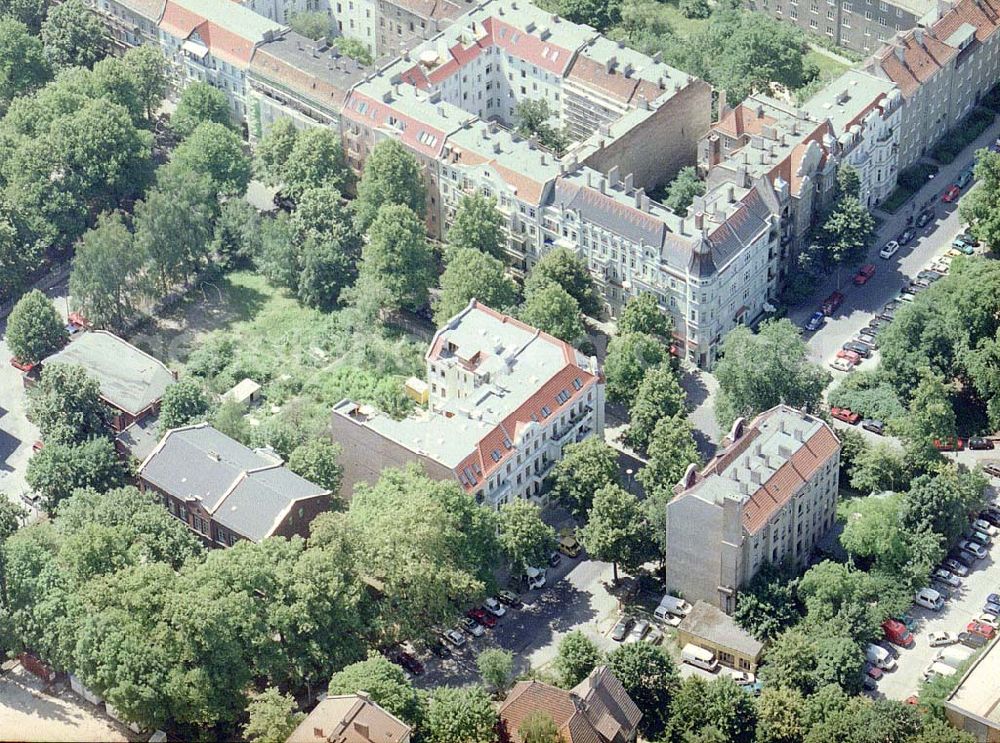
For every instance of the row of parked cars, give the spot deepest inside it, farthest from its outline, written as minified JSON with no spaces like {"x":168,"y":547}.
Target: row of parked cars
{"x":477,"y":620}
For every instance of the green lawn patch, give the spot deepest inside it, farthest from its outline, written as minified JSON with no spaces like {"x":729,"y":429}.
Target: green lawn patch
{"x":829,"y":68}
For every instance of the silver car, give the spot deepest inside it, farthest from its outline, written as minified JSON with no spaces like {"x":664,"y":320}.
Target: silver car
{"x":639,"y":631}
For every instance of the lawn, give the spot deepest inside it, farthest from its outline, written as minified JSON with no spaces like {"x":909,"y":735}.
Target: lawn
{"x":305,"y":360}
{"x":829,"y":68}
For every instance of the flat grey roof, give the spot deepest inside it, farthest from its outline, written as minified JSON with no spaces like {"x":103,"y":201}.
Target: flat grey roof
{"x":714,"y":625}
{"x":130,"y":379}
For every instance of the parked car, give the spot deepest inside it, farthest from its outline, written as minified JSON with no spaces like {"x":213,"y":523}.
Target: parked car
{"x":568,"y":545}
{"x":940,"y":639}
{"x":947,"y":577}
{"x":869,"y":341}
{"x":897,"y":633}
{"x":906,"y":235}
{"x":889,"y":249}
{"x":972,"y":639}
{"x":993,"y":598}
{"x":859,"y":348}
{"x":942,"y":589}
{"x":964,"y":178}
{"x":849,"y":355}
{"x":979,"y":537}
{"x":536,"y":577}
{"x":940,"y":266}
{"x":963,"y":556}
{"x":889,"y":648}
{"x":962,"y":247}
{"x":483,"y":617}
{"x":978,"y":442}
{"x":980,"y":628}
{"x":951,"y":193}
{"x":408,"y":662}
{"x":977,"y":549}
{"x":471,"y":626}
{"x":970,"y":239}
{"x":991,"y":517}
{"x":929,"y":599}
{"x":924,"y":217}
{"x":639,"y":630}
{"x":864,"y":273}
{"x":454,"y":637}
{"x":886,"y":315}
{"x":869,"y":684}
{"x":985,"y":526}
{"x":510,"y":598}
{"x":928,"y":276}
{"x":815,"y":321}
{"x":653,"y":637}
{"x":993,"y":609}
{"x":441,"y":650}
{"x":955,"y":444}
{"x":954,"y":566}
{"x":842,"y":365}
{"x":494,"y":607}
{"x":874,"y":425}
{"x":873,"y":671}
{"x":831,"y":303}
{"x":554,"y":559}
{"x":846,"y":415}
{"x":21,"y":365}
{"x":621,"y":629}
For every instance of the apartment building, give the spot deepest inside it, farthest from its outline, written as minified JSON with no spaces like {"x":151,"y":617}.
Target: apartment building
{"x":402,"y":24}
{"x":130,"y":22}
{"x":942,"y":69}
{"x":504,"y":401}
{"x":768,"y":496}
{"x":299,"y":79}
{"x":859,"y":25}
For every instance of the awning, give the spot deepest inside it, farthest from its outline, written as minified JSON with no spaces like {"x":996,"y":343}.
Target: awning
{"x":195,"y":49}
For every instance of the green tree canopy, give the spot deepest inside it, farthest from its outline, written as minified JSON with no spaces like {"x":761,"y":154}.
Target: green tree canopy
{"x":565,"y":268}
{"x":216,"y":151}
{"x":683,"y":189}
{"x":317,"y":460}
{"x":183,"y":402}
{"x":73,"y":36}
{"x":576,"y":657}
{"x":496,"y":667}
{"x":460,"y":715}
{"x":479,"y":225}
{"x":553,"y":310}
{"x":59,"y":469}
{"x":472,"y":274}
{"x":630,"y":357}
{"x":760,"y":370}
{"x":617,"y":530}
{"x":642,"y":314}
{"x":148,"y":68}
{"x":34,"y":328}
{"x":391,"y":176}
{"x":313,"y":24}
{"x":23,"y":65}
{"x":200,"y":103}
{"x":650,"y":679}
{"x":848,"y":231}
{"x":671,"y":449}
{"x":981,"y":206}
{"x":398,"y":257}
{"x":106,"y":280}
{"x":316,"y":160}
{"x":273,"y":150}
{"x":273,"y":717}
{"x":534,"y":117}
{"x":384,"y":682}
{"x":586,"y":467}
{"x":524,"y":538}
{"x":65,"y":405}
{"x":599,"y":15}
{"x":659,"y":396}
{"x":539,"y":727}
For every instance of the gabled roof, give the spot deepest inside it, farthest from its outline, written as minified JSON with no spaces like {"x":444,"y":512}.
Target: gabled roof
{"x":983,"y":16}
{"x":350,"y":718}
{"x":148,"y":9}
{"x":597,"y":710}
{"x":744,"y":120}
{"x":229,"y":30}
{"x":910,"y":63}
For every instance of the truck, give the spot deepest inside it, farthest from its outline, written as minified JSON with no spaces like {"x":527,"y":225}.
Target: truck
{"x":671,"y":605}
{"x":699,"y":658}
{"x":896,"y":633}
{"x":880,"y":657}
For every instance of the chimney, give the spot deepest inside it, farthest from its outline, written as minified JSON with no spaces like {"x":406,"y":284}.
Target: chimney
{"x":755,"y":477}
{"x":699,"y":221}
{"x":601,"y":183}
{"x":610,"y":63}
{"x":797,"y":434}
{"x":362,"y":730}
{"x":589,"y":184}
{"x":680,"y":226}
{"x":730,"y":193}
{"x":657,"y":57}
{"x":628,"y":182}
{"x":638,"y":198}
{"x":723,"y":108}
{"x":918,"y":34}
{"x":318,"y":733}
{"x":784,"y":452}
{"x":900,"y":53}
{"x":613,"y":176}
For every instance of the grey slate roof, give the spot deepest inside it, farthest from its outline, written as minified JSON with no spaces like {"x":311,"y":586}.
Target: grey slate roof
{"x":245,"y":490}
{"x":713,"y":624}
{"x":141,"y":437}
{"x":610,"y":214}
{"x":130,"y":379}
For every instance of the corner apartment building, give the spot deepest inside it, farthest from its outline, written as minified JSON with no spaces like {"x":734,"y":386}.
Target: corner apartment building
{"x":942,"y":69}
{"x":130,"y":22}
{"x":504,"y":401}
{"x":769,"y":495}
{"x":859,"y":25}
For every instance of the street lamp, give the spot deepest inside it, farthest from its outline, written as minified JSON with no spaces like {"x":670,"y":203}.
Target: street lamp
{"x":629,"y":473}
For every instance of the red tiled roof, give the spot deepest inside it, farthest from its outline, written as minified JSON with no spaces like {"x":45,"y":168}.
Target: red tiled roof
{"x":178,"y":21}
{"x":529,"y":47}
{"x":590,"y":72}
{"x":984,"y":15}
{"x":376,"y":115}
{"x":743,"y":120}
{"x":920,"y":61}
{"x":225,"y":45}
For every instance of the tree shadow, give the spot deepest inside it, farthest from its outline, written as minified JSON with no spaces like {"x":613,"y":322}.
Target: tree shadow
{"x":8,"y":445}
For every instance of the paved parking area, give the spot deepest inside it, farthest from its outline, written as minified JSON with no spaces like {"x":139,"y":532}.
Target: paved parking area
{"x":966,"y":604}
{"x":31,"y":712}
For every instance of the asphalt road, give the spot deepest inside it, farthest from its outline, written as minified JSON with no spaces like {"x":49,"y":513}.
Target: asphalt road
{"x":862,"y":302}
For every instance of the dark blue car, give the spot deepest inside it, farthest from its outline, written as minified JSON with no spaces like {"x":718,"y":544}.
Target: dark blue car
{"x":815,"y":322}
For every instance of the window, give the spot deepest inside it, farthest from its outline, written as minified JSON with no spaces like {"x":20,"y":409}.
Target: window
{"x":546,"y":411}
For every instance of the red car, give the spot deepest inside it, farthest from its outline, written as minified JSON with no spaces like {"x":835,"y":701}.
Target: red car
{"x":851,"y":356}
{"x":980,"y":628}
{"x":483,"y":617}
{"x":951,"y":194}
{"x":864,"y":273}
{"x":896,"y":633}
{"x":874,"y":671}
{"x":37,"y":446}
{"x":21,"y":365}
{"x":845,"y":414}
{"x":831,"y":303}
{"x":949,"y":445}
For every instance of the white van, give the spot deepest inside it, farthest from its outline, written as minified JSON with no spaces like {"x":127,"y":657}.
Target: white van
{"x":880,"y":657}
{"x":671,"y":605}
{"x":954,"y":655}
{"x":929,"y":599}
{"x":699,"y":657}
{"x":938,"y":669}
{"x":536,"y":577}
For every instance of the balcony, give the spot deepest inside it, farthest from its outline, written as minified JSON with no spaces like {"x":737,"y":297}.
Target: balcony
{"x":544,"y":469}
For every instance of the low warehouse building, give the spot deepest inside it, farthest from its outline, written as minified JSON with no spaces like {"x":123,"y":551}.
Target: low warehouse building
{"x":711,"y":628}
{"x":974,"y":706}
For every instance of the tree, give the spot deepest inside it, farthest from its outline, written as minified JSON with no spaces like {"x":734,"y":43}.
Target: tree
{"x":183,"y":402}
{"x":687,"y":712}
{"x":317,"y":460}
{"x":105,"y":282}
{"x":29,"y":12}
{"x":313,"y":24}
{"x":848,"y":181}
{"x":273,"y":151}
{"x":576,"y":657}
{"x":428,"y":543}
{"x":73,"y":36}
{"x":216,"y":151}
{"x":173,"y":226}
{"x":539,"y":727}
{"x":586,"y":467}
{"x":384,"y":682}
{"x":463,"y":715}
{"x":355,"y":49}
{"x":12,"y":515}
{"x":931,"y":413}
{"x":479,"y":225}
{"x":200,"y":103}
{"x":119,"y":83}
{"x":768,"y":605}
{"x":565,"y":268}
{"x":979,"y":207}
{"x":780,"y":716}
{"x":524,"y":538}
{"x":731,"y":710}
{"x":848,"y":231}
{"x":496,"y":667}
{"x":23,"y":66}
{"x":659,"y":396}
{"x":391,"y":176}
{"x":616,"y":530}
{"x":17,"y":260}
{"x":316,"y":160}
{"x":599,"y":15}
{"x":148,"y":68}
{"x":878,"y":468}
{"x":65,"y":404}
{"x":630,"y":357}
{"x":683,"y":189}
{"x":58,"y":470}
{"x":533,"y":119}
{"x":273,"y":717}
{"x":230,"y":419}
{"x":940,"y":504}
{"x":642,"y":314}
{"x":237,"y":238}
{"x":552,"y":309}
{"x":471,"y":274}
{"x":695,"y":8}
{"x":760,"y":370}
{"x":397,"y":254}
{"x":671,"y":450}
{"x":34,"y":328}
{"x":650,"y":679}
{"x":325,"y":248}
